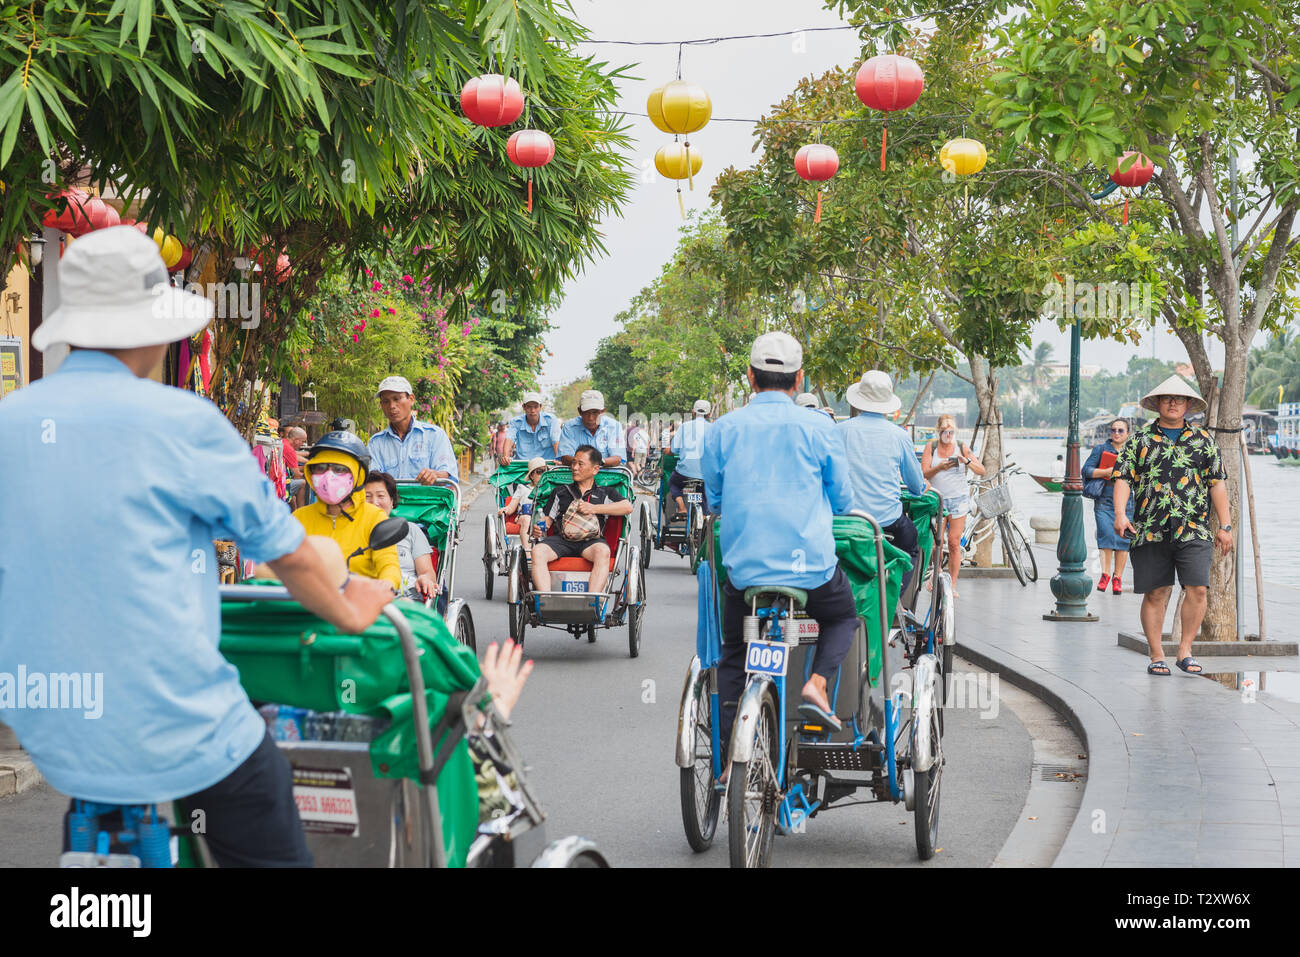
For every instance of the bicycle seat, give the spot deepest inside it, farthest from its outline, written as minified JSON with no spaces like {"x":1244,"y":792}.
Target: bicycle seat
{"x":799,"y":596}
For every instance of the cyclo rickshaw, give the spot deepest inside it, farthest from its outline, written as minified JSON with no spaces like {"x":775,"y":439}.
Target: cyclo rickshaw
{"x":680,"y":532}
{"x":784,"y":769}
{"x":368,"y":722}
{"x":436,"y":510}
{"x":498,"y":529}
{"x":569,"y":606}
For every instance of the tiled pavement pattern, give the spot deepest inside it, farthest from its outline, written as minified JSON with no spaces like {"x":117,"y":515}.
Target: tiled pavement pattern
{"x":1183,"y":772}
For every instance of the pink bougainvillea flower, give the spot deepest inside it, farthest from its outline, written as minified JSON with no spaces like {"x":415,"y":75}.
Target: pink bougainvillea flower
{"x":368,"y":272}
{"x":440,"y":313}
{"x":464,"y":330}
{"x":407,"y":279}
{"x":355,"y":337}
{"x":474,"y":321}
{"x":374,"y":313}
{"x":311,"y":317}
{"x":376,"y":285}
{"x":392,"y":310}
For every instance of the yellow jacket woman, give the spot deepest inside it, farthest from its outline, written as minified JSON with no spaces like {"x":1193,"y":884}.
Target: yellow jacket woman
{"x":336,"y":471}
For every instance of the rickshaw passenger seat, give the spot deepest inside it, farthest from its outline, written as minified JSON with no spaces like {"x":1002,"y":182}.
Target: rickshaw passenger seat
{"x":613,"y":531}
{"x":799,"y":596}
{"x":512,"y":527}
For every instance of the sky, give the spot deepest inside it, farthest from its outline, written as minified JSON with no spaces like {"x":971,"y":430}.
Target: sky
{"x":744,"y":78}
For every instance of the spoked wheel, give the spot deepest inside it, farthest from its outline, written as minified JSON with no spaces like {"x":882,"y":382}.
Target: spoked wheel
{"x":645,"y":537}
{"x":634,"y":614}
{"x":927,"y":801}
{"x":489,"y":566}
{"x":518,"y":611}
{"x":464,"y":630}
{"x":1019,"y":555}
{"x":753,"y":796}
{"x":694,"y":533}
{"x":700,"y":802}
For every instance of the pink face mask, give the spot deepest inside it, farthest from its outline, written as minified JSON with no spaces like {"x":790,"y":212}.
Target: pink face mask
{"x":332,"y":488}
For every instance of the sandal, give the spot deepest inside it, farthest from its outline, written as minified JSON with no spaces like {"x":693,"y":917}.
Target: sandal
{"x":812,"y":712}
{"x":1159,"y":668}
{"x":1188,"y":663}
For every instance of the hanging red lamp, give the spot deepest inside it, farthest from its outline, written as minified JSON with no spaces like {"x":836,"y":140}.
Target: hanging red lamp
{"x":492,"y":100}
{"x":887,"y":83}
{"x":64,"y":217}
{"x":530,"y":149}
{"x":817,"y":163}
{"x":1132,"y":174}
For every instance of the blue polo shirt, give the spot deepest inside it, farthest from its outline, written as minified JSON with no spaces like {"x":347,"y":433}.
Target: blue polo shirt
{"x":608,"y":437}
{"x":881,"y":459}
{"x":777,"y":475}
{"x":530,"y":442}
{"x":108,"y":575}
{"x":425,"y":446}
{"x":688,"y":443}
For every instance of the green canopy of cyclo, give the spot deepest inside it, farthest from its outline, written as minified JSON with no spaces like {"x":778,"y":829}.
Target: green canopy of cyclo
{"x":855,"y":548}
{"x":286,"y":655}
{"x":507,"y":477}
{"x":432,"y":507}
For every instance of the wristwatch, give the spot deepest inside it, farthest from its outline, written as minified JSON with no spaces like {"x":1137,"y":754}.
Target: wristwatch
{"x":1225,"y":528}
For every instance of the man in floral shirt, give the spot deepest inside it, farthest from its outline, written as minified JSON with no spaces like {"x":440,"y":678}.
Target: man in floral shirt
{"x":1175,"y":472}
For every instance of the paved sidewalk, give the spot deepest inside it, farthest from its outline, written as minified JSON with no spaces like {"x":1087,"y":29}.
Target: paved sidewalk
{"x":1183,"y":772}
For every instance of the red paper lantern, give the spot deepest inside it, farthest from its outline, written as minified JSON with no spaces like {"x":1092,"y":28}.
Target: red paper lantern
{"x":187,"y":256}
{"x":492,"y":100}
{"x":1139,"y":174}
{"x":530,"y":149}
{"x":111,"y":217}
{"x":65,"y":218}
{"x":816,"y":162}
{"x":889,"y":83}
{"x":283,"y":270}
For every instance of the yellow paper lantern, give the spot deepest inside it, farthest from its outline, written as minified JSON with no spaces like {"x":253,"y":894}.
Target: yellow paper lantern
{"x":159,"y":237}
{"x":963,"y":156}
{"x":679,"y":107}
{"x":677,"y":161}
{"x":171,"y":251}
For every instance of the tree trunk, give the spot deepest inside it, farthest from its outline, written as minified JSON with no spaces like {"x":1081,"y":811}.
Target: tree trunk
{"x":1220,"y":622}
{"x":990,"y":416}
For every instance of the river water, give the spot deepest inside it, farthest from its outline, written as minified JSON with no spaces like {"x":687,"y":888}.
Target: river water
{"x":1276,"y":508}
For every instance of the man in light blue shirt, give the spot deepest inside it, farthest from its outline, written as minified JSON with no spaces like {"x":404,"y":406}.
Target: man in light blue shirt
{"x":881,"y":460}
{"x":777,"y":476}
{"x":591,"y":426}
{"x":688,"y":445}
{"x":533,"y":433}
{"x":409,"y":450}
{"x":139,"y":478}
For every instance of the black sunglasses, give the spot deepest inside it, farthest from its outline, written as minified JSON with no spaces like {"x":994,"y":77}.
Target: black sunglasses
{"x":1119,"y":430}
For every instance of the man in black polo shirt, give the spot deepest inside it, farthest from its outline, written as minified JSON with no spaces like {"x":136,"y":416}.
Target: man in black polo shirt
{"x":575,"y":522}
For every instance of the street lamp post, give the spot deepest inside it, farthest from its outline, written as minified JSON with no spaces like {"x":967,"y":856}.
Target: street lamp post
{"x":1071,"y":583}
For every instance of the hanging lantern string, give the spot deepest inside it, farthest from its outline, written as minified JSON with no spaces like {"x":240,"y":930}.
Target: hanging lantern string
{"x":764,"y":36}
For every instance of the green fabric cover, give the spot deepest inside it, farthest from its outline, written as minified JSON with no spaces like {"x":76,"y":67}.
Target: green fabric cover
{"x":667,"y":465}
{"x":922,"y":509}
{"x":432,"y":507}
{"x":286,"y":655}
{"x":855,"y":547}
{"x":506,"y":478}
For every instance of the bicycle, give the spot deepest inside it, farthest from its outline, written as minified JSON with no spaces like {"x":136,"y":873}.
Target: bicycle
{"x":992,"y":510}
{"x":647,"y":480}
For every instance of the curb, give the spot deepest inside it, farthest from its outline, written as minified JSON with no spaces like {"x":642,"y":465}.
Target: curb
{"x":17,"y":773}
{"x":1106,"y":785}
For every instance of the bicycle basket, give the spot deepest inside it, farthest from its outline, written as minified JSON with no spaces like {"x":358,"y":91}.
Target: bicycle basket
{"x":996,"y":501}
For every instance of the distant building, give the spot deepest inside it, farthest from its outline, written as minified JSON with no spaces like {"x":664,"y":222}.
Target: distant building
{"x":1059,"y":370}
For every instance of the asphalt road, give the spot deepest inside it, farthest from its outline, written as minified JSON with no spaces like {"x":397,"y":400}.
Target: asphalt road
{"x":597,"y":729}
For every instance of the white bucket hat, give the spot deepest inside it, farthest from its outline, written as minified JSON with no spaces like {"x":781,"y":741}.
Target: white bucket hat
{"x":874,"y":392}
{"x":394,"y":383}
{"x":114,"y":294}
{"x":591,"y":399}
{"x":1174,"y":385}
{"x":535,"y":463}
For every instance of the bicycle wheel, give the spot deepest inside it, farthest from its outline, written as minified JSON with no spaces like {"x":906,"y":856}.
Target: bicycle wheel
{"x":753,"y":795}
{"x":700,"y":802}
{"x":489,"y":566}
{"x":1017,"y":551}
{"x":927,"y":810}
{"x":694,"y":533}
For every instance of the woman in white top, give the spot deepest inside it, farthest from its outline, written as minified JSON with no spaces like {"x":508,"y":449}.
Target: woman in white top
{"x":521,"y":500}
{"x":945,"y":462}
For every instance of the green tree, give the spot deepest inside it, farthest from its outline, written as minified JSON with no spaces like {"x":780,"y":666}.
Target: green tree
{"x":613,"y":369}
{"x":566,"y":400}
{"x":1276,"y":371}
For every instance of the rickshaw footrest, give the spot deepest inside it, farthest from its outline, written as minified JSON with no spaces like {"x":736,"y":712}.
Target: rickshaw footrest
{"x":840,"y":757}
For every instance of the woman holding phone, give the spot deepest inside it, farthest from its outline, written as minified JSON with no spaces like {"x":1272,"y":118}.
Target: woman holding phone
{"x":944,"y":463}
{"x":1098,"y":472}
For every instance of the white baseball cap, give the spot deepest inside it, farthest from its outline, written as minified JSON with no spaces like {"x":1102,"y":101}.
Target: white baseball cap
{"x":806,"y":399}
{"x":114,"y":294}
{"x":874,"y":392}
{"x":591,"y":399}
{"x":776,"y":352}
{"x":532,"y":397}
{"x":394,"y":383}
{"x":702,"y":407}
